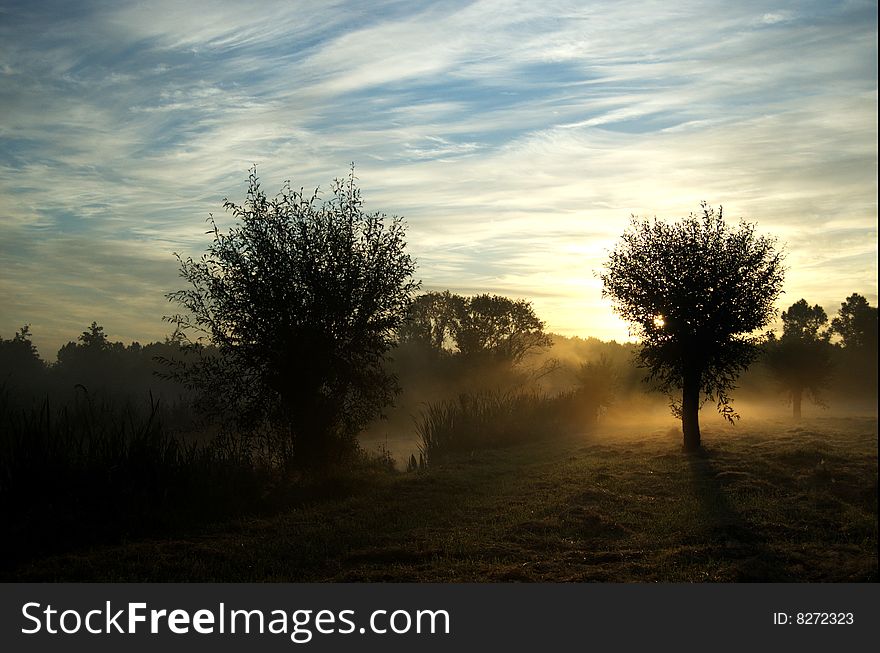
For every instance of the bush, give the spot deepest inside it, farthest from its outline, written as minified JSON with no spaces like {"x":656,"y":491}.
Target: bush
{"x":495,"y":419}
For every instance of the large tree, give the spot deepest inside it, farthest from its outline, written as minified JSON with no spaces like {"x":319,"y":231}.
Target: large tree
{"x":801,"y":359}
{"x":19,"y":361}
{"x":431,"y":321}
{"x":490,"y":327}
{"x":299,"y":301}
{"x":92,"y":362}
{"x":696,"y":291}
{"x":856,"y":324}
{"x":505,"y":329}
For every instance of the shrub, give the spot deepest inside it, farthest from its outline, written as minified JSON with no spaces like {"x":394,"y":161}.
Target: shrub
{"x":494,"y":419}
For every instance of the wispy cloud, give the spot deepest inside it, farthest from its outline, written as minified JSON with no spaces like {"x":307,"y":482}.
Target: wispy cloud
{"x":516,"y":137}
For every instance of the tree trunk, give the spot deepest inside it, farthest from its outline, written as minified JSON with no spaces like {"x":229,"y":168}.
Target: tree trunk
{"x":690,"y":410}
{"x":796,"y":397}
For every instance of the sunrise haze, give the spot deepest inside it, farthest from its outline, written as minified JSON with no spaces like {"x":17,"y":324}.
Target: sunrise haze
{"x":516,"y":139}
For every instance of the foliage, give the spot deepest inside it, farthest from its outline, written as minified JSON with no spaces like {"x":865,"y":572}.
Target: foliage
{"x":93,"y":470}
{"x":87,"y":470}
{"x":91,"y":353}
{"x":112,"y":370}
{"x":804,"y":322}
{"x":856,"y":324}
{"x":482,"y":326}
{"x":431,"y":319}
{"x":597,"y":385}
{"x":502,"y":328}
{"x":494,"y":419}
{"x":776,"y":504}
{"x":801,"y":360}
{"x":695,"y":292}
{"x":299,"y":301}
{"x":19,"y":360}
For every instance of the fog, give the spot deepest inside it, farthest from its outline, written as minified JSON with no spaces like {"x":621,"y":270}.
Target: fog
{"x":605,"y":394}
{"x":630,"y":408}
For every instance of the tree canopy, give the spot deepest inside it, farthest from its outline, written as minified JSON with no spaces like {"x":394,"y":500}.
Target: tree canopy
{"x":695,"y":292}
{"x":487,"y":326}
{"x":18,"y":357}
{"x":801,"y":359}
{"x":856,"y":323}
{"x":300,"y":300}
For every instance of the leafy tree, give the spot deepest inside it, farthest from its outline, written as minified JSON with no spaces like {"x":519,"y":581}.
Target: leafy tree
{"x":299,"y":301}
{"x":91,"y":360}
{"x":492,"y":327}
{"x":695,"y":291}
{"x":90,"y":342}
{"x":856,"y":323}
{"x":801,"y":359}
{"x":504,"y":329}
{"x":431,"y":319}
{"x":94,"y":337}
{"x":19,"y":360}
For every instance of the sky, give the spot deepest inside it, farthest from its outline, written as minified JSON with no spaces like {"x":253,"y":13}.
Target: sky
{"x":516,"y":139}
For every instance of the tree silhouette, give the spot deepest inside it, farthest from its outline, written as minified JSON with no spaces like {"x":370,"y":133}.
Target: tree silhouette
{"x":501,"y":328}
{"x":19,"y":361}
{"x":490,"y":327}
{"x":695,"y":291}
{"x":92,"y":361}
{"x":856,"y":324}
{"x":801,"y":359}
{"x":431,"y":320}
{"x":299,"y":301}
{"x":94,"y":337}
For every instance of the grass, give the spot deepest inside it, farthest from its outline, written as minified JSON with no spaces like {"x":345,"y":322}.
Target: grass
{"x":769,"y":502}
{"x":490,"y":419}
{"x":93,"y":471}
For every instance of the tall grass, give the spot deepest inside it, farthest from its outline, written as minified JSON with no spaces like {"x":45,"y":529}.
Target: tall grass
{"x":90,"y":470}
{"x":493,"y":419}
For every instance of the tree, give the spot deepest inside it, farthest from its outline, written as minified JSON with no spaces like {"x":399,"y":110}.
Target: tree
{"x":91,"y":343}
{"x":431,"y":319}
{"x":91,"y":361}
{"x":856,"y":324}
{"x":501,"y":328}
{"x":801,"y":359}
{"x":299,"y":301}
{"x":490,"y":327}
{"x":695,"y":291}
{"x":19,"y":361}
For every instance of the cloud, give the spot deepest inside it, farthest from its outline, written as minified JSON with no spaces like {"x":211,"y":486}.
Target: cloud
{"x":772,"y":18}
{"x":516,"y":137}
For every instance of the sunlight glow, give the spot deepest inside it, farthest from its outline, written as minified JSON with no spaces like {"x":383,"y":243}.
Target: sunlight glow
{"x":516,"y":145}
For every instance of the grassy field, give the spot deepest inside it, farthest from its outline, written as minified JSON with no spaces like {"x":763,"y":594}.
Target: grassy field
{"x":765,"y":502}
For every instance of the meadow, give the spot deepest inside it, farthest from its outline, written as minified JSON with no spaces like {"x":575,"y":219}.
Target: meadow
{"x":766,"y":500}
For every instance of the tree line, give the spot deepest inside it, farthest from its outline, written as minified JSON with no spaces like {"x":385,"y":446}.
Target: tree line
{"x":292,"y":317}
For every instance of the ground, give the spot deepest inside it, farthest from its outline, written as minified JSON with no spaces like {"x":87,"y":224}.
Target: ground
{"x":763,"y":502}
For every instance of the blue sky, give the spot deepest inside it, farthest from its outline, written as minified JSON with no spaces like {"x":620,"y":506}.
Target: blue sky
{"x":516,"y":138}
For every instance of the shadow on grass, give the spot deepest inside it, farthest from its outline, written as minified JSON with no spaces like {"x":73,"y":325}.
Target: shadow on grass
{"x":737,"y":546}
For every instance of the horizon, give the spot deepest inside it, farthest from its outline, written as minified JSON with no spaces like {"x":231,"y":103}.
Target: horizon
{"x":516,"y":141}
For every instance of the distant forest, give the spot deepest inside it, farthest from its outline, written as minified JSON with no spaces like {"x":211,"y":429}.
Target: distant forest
{"x":303,"y":334}
{"x":495,"y":344}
